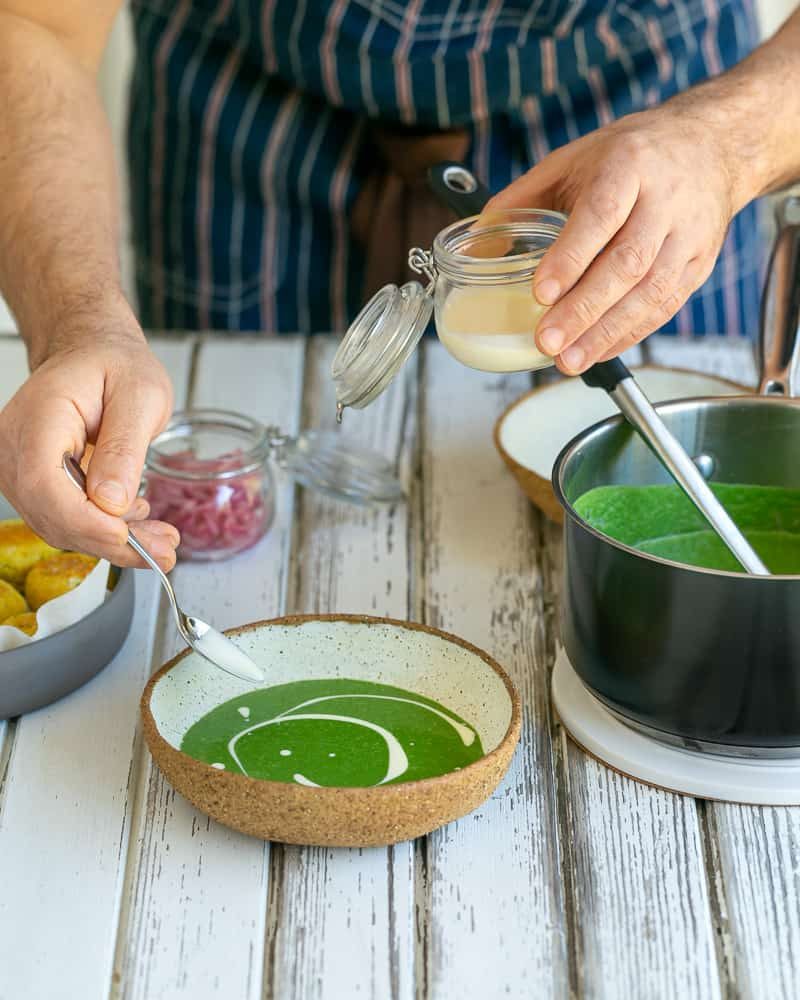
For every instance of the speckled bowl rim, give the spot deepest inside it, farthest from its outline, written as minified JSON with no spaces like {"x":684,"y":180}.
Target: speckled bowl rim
{"x":506,"y":746}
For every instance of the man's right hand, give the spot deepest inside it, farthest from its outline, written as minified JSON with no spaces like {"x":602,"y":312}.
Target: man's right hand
{"x":114,"y":395}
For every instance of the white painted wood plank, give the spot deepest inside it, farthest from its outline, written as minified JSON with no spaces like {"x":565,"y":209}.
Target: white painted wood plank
{"x":731,"y":359}
{"x":759,"y":885}
{"x":13,"y":367}
{"x":493,"y":912}
{"x":644,"y":922}
{"x":65,"y":819}
{"x":196,"y":892}
{"x":174,"y":354}
{"x":341,"y":923}
{"x":757,"y":882}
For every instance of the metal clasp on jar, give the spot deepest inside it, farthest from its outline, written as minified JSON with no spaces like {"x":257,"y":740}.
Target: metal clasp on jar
{"x":278,"y":441}
{"x":421,"y":262}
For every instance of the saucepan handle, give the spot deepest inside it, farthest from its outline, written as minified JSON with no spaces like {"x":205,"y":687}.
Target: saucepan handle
{"x":458,"y":188}
{"x":779,"y":338}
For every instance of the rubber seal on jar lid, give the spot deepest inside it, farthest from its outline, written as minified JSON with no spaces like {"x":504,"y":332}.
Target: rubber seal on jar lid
{"x":322,"y":461}
{"x":379,"y":342}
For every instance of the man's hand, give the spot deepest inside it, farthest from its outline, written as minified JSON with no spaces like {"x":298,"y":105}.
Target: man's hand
{"x":115,"y":395}
{"x":649,"y":200}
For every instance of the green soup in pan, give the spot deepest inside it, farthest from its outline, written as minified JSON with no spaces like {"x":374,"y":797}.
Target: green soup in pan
{"x":662,"y":521}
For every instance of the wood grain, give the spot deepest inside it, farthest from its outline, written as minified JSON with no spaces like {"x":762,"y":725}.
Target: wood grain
{"x":66,"y":812}
{"x":341,"y":921}
{"x":759,"y":858}
{"x":754,"y":862}
{"x":491,"y":906}
{"x":641,"y":918}
{"x":645,"y":913}
{"x":571,"y":881}
{"x":196,"y":893}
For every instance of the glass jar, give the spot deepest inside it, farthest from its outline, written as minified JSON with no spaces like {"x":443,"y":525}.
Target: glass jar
{"x":480,"y":294}
{"x":208,"y":474}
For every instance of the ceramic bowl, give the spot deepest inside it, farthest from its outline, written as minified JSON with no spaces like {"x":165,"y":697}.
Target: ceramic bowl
{"x":422,"y":660}
{"x":40,"y":673}
{"x":531,"y":433}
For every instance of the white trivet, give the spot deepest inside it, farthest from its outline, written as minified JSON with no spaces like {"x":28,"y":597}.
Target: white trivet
{"x":702,"y":775}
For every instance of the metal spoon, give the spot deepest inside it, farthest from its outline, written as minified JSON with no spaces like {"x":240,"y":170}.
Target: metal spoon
{"x":204,"y":639}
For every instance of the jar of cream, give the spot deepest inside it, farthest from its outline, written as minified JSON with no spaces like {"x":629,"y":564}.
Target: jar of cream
{"x":480,"y":292}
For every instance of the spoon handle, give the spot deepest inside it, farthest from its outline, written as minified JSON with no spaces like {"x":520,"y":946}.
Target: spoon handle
{"x":76,"y":474}
{"x":137,"y":547}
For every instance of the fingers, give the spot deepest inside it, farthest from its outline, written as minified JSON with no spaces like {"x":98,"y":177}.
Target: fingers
{"x":619,"y":268}
{"x":161,"y":541}
{"x":59,"y":511}
{"x":138,"y":511}
{"x":133,"y":413}
{"x":601,"y":210}
{"x":650,"y":304}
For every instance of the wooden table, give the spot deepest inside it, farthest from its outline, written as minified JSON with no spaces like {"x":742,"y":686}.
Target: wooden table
{"x":572,"y":880}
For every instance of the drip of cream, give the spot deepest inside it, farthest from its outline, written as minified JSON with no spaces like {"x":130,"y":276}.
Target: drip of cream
{"x":398,"y":761}
{"x":467,"y":735}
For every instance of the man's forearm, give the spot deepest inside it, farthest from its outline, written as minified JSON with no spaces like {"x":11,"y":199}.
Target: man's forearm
{"x":58,"y":200}
{"x":755,"y":110}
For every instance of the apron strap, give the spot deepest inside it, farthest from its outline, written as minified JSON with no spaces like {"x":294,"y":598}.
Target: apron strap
{"x":395,"y":209}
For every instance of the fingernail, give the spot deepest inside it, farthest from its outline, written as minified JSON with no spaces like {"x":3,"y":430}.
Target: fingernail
{"x":112,"y":492}
{"x":551,"y":340}
{"x":547,"y":291}
{"x":573,"y":358}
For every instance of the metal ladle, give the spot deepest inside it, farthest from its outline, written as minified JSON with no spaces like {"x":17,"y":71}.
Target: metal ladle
{"x":203,"y":638}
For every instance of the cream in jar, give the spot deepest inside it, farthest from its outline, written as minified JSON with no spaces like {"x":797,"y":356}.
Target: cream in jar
{"x":492,"y":328}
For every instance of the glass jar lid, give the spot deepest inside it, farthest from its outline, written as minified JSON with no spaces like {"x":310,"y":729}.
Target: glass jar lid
{"x":378,"y":343}
{"x":321,"y":461}
{"x":219,"y":444}
{"x":506,"y":248}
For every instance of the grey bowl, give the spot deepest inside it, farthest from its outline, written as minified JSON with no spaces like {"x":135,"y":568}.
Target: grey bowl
{"x":40,"y":673}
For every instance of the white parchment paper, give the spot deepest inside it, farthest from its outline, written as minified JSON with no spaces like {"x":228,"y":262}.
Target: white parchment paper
{"x":62,"y":611}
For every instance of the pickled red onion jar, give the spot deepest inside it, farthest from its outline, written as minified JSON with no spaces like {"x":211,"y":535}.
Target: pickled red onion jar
{"x":208,"y":474}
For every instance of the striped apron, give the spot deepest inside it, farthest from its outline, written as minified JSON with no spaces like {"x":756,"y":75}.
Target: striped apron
{"x":258,"y":127}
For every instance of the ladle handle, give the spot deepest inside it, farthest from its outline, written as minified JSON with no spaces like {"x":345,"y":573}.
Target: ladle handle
{"x":458,"y":188}
{"x":639,"y":412}
{"x":779,"y":338}
{"x":616,"y":379}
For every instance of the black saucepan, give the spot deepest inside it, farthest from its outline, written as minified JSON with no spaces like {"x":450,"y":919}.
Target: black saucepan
{"x":700,"y":658}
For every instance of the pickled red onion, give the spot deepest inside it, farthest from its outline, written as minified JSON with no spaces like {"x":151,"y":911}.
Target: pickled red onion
{"x":214,"y":517}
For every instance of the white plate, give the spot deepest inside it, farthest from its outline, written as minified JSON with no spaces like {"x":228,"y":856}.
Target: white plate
{"x":534,"y":429}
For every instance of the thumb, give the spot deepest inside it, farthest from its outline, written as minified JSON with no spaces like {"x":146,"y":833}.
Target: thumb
{"x":134,"y":412}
